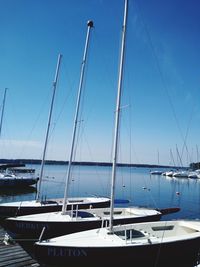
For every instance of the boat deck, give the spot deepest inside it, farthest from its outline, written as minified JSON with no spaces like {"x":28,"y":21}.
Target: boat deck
{"x":12,"y":255}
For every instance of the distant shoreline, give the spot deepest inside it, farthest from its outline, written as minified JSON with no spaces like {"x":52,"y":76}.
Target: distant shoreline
{"x":83,"y":163}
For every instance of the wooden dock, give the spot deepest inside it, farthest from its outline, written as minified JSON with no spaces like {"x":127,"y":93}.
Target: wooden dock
{"x":12,"y":255}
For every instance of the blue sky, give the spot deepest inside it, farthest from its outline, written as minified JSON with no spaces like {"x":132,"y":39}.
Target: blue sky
{"x":161,"y":96}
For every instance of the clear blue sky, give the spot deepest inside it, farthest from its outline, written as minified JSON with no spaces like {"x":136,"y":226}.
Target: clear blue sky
{"x":161,"y":92}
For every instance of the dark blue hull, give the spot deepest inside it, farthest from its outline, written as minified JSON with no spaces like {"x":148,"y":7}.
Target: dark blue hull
{"x":176,"y":254}
{"x":47,"y":206}
{"x":32,"y":230}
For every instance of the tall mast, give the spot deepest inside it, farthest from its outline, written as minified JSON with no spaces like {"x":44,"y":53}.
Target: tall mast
{"x":3,"y":107}
{"x":178,"y":156}
{"x":158,"y":157}
{"x":48,"y":126}
{"x":117,"y":116}
{"x":90,"y":25}
{"x":172,"y":158}
{"x":197,"y":153}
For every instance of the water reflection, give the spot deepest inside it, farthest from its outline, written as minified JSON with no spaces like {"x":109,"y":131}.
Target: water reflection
{"x":17,"y":191}
{"x":133,"y":184}
{"x":17,"y":194}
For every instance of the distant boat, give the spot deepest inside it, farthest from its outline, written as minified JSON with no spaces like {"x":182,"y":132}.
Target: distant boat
{"x":21,"y":170}
{"x":171,"y":172}
{"x":163,"y":243}
{"x":12,"y":180}
{"x":194,"y":174}
{"x":180,"y":174}
{"x":156,"y":172}
{"x":8,"y":166}
{"x":168,"y":173}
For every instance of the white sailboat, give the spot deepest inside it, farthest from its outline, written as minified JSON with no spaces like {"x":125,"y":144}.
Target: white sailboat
{"x":157,"y":172}
{"x":180,"y":173}
{"x":11,"y":180}
{"x":164,"y":243}
{"x":194,"y":174}
{"x":65,"y":222}
{"x":38,"y":205}
{"x":170,"y":172}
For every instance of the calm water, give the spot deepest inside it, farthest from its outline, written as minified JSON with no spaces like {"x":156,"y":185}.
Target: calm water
{"x":134,"y":184}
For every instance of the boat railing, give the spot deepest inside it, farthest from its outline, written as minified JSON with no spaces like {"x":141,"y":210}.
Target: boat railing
{"x":76,"y":211}
{"x":104,"y":223}
{"x":72,"y":210}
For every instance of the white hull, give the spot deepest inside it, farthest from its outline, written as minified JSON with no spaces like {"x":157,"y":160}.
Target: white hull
{"x":170,"y":173}
{"x":180,"y":174}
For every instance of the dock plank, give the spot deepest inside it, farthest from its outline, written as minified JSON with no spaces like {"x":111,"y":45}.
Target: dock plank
{"x":13,"y":255}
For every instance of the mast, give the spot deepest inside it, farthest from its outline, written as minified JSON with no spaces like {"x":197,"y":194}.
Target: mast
{"x":197,"y":156}
{"x":66,"y":191}
{"x":3,"y":107}
{"x":178,"y":156}
{"x":172,"y":158}
{"x":48,"y":126}
{"x":158,"y":157}
{"x":117,"y":116}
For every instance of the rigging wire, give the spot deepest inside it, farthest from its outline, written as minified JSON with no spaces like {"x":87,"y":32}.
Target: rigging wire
{"x":162,"y":78}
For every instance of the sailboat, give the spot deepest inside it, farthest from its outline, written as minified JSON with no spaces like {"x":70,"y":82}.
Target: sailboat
{"x":9,"y":179}
{"x":39,"y":205}
{"x":180,"y":173}
{"x":163,"y":243}
{"x":48,"y":225}
{"x":170,"y":173}
{"x":157,"y":172}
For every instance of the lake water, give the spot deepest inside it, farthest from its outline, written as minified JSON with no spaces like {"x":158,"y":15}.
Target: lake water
{"x":134,"y":184}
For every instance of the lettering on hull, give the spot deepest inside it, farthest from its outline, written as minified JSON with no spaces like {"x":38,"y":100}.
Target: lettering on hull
{"x":30,"y":226}
{"x":66,"y":252}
